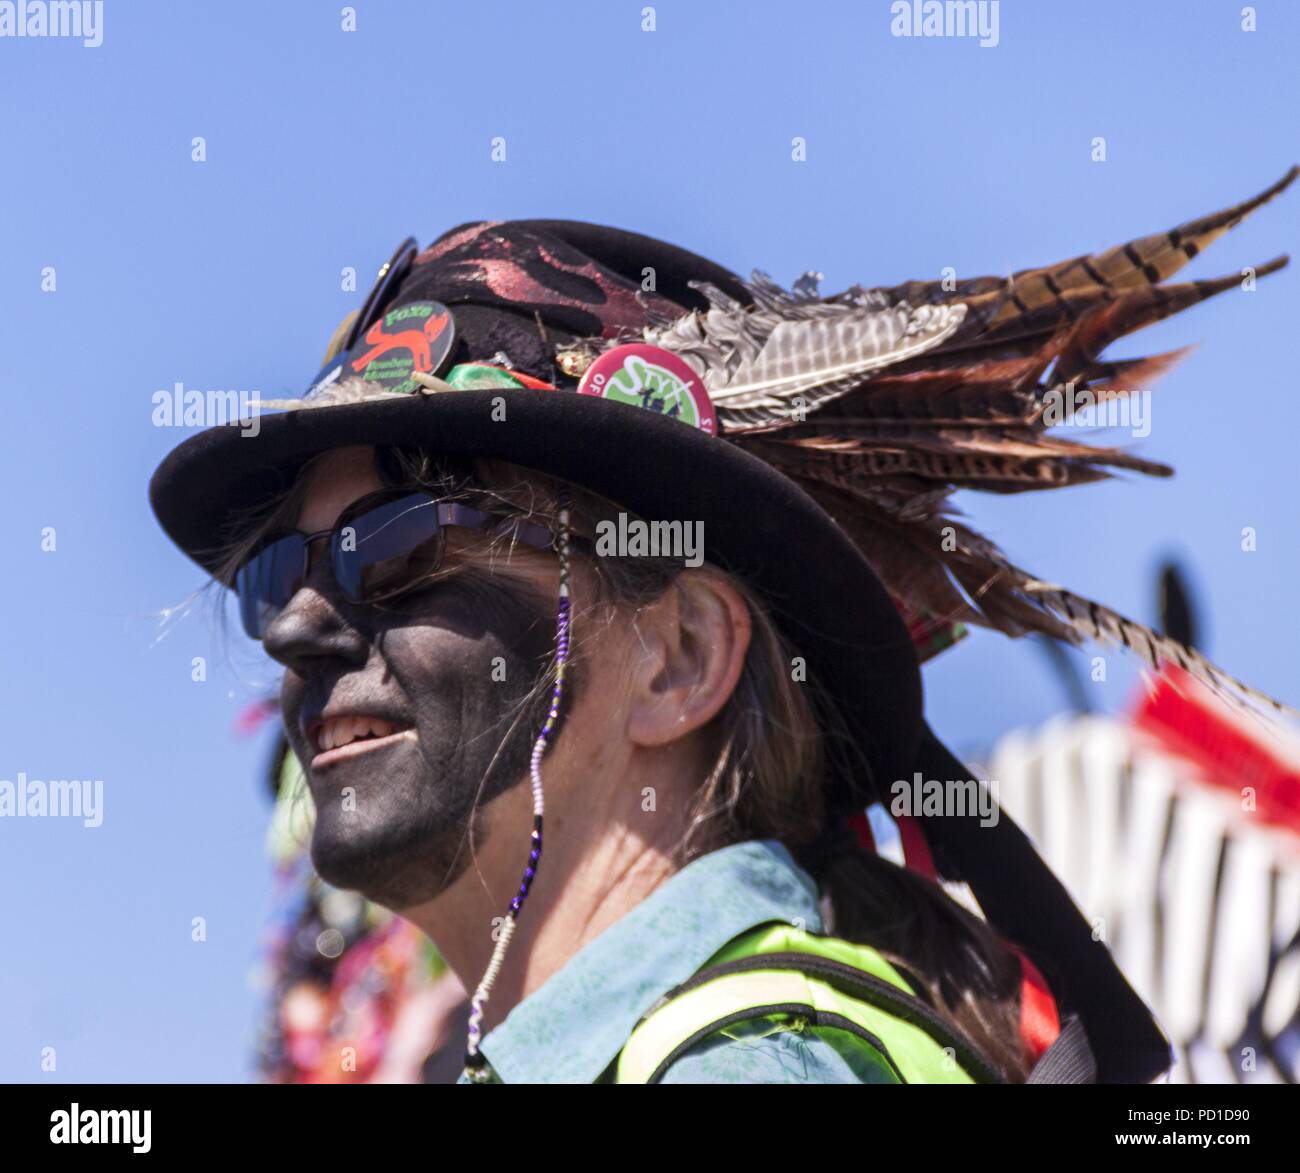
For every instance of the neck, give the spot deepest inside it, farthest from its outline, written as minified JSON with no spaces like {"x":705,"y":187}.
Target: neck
{"x":602,"y":855}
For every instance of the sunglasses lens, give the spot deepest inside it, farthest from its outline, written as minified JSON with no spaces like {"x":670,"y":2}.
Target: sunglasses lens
{"x":267,"y":581}
{"x":387,"y":547}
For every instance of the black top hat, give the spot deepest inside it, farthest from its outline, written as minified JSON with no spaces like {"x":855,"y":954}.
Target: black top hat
{"x":520,"y":291}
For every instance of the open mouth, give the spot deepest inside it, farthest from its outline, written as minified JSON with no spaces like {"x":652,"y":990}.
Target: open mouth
{"x":339,"y":738}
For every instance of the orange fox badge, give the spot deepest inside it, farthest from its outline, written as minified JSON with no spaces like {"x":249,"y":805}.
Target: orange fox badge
{"x":413,"y":337}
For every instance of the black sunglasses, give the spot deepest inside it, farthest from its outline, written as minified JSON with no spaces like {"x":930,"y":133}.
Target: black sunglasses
{"x":381,"y":545}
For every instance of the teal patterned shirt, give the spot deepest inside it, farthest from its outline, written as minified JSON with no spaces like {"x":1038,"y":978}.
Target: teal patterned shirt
{"x":573,"y":1027}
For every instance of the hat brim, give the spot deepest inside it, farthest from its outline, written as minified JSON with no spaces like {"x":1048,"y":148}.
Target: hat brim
{"x":756,"y":522}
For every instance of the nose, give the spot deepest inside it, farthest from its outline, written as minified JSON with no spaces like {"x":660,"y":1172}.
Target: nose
{"x":313,"y":629}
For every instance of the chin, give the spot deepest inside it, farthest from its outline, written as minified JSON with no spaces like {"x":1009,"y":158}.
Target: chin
{"x":396,"y":867}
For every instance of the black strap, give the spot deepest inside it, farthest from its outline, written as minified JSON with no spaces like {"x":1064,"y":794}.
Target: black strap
{"x":1025,"y":901}
{"x":853,"y":982}
{"x":802,"y":1010}
{"x":1069,"y":1059}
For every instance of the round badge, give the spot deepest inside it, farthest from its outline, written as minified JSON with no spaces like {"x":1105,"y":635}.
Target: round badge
{"x":414,"y":337}
{"x":646,"y":376}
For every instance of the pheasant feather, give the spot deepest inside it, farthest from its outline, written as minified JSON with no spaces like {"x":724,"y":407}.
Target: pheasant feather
{"x":1102,"y":625}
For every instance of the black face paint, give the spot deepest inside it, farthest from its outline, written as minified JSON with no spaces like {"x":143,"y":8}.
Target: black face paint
{"x":456,"y":664}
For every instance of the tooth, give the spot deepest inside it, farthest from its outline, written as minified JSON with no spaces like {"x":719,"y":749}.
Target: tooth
{"x":339,"y":731}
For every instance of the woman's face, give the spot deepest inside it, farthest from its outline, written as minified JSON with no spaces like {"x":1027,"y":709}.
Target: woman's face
{"x":409,"y":717}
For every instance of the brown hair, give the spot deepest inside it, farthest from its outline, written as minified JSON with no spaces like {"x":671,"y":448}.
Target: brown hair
{"x":779,"y":743}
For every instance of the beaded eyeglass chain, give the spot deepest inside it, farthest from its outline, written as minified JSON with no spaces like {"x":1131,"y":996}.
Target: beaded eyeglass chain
{"x":475,"y":1065}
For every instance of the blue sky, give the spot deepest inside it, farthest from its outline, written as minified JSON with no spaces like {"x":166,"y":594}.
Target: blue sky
{"x":325,"y":148}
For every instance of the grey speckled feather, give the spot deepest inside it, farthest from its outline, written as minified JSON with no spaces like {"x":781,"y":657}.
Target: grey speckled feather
{"x":793,"y":351}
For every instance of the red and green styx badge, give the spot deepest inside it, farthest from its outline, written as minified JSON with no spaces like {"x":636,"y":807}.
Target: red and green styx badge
{"x":414,"y":337}
{"x":653,"y":378}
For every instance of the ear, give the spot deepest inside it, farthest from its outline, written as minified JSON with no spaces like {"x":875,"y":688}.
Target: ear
{"x":689,"y":653}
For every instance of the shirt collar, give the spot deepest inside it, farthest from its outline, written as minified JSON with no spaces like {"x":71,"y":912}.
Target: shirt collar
{"x":572,"y":1027}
